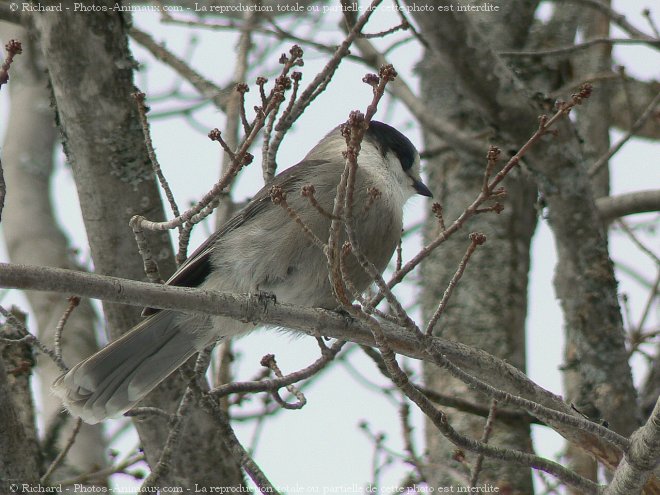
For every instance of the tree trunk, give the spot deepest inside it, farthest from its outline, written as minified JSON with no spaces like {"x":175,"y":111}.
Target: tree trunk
{"x":510,"y":101}
{"x":91,"y":73}
{"x":489,"y":306}
{"x":33,"y":237}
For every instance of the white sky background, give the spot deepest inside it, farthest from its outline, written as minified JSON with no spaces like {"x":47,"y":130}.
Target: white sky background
{"x":326,"y":429}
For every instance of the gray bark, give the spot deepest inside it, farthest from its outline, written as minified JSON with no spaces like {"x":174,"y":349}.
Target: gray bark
{"x":548,"y":407}
{"x":17,"y":461}
{"x":650,"y":390}
{"x":33,"y":236}
{"x":20,"y":458}
{"x":475,"y":78}
{"x":91,"y":73}
{"x":488,"y":308}
{"x":593,"y":123}
{"x":585,"y":281}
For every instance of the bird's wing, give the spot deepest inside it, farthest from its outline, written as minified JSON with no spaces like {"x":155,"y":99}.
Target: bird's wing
{"x":198,"y":265}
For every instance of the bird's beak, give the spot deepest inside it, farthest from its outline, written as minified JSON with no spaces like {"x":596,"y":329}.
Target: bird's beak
{"x":421,"y":188}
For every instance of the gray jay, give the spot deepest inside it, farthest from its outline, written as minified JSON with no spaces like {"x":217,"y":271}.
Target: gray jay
{"x":260,"y":249}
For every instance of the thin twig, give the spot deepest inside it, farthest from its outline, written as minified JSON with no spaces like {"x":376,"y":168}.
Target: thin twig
{"x":102,"y":474}
{"x":404,"y":25}
{"x":274,"y":384}
{"x":545,"y":127}
{"x":408,"y":443}
{"x":649,"y":305}
{"x":617,"y":18}
{"x":236,"y":119}
{"x":241,"y":158}
{"x":647,"y":15}
{"x":635,"y":240}
{"x":564,"y":50}
{"x":74,"y":301}
{"x":150,"y":266}
{"x":621,"y":71}
{"x":142,"y":112}
{"x":13,"y":48}
{"x":276,"y":32}
{"x":639,"y":123}
{"x":402,"y":13}
{"x":488,"y":430}
{"x":205,"y":87}
{"x":269,"y":361}
{"x":321,"y":81}
{"x":62,"y":454}
{"x":476,"y":239}
{"x":241,"y":455}
{"x":176,"y":426}
{"x":450,"y":133}
{"x":28,"y":338}
{"x":278,"y":197}
{"x":308,"y":192}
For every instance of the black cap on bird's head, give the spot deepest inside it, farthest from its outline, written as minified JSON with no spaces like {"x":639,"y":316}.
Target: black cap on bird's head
{"x":387,"y":138}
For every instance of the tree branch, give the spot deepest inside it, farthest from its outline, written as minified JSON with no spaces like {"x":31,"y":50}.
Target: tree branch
{"x":206,"y":88}
{"x":617,"y":18}
{"x":641,"y":460}
{"x":613,"y":207}
{"x":565,"y":50}
{"x":255,"y":309}
{"x":585,"y":282}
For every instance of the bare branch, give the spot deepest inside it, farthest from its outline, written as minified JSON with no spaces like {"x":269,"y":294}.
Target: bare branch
{"x":28,"y":338}
{"x":13,"y":48}
{"x":240,"y":454}
{"x":102,"y":474}
{"x":565,"y":50}
{"x":477,"y":240}
{"x":205,"y":87}
{"x":272,"y":385}
{"x":63,"y":453}
{"x":451,"y":134}
{"x":489,"y":191}
{"x":321,"y":81}
{"x":254,"y":309}
{"x":142,"y":112}
{"x":618,"y":18}
{"x":641,"y":460}
{"x":621,"y":205}
{"x":73,"y":304}
{"x":639,"y":123}
{"x":488,"y":430}
{"x":175,"y":430}
{"x":647,"y":14}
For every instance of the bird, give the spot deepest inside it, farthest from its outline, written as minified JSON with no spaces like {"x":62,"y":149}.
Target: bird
{"x":260,"y":249}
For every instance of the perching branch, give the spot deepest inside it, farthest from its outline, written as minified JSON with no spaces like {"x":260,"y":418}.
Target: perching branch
{"x":256,"y":310}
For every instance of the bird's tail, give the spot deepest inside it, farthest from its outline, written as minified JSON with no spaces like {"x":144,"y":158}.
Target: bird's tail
{"x":116,"y":378}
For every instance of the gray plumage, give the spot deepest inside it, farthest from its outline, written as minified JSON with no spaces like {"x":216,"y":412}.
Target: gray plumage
{"x":260,"y":249}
